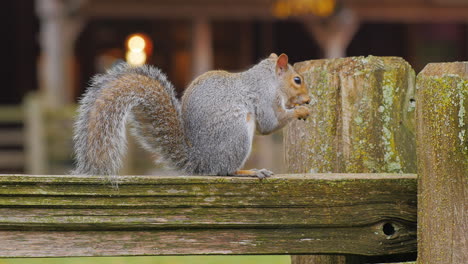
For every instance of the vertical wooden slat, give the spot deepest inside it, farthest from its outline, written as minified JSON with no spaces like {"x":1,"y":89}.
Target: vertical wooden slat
{"x":362,"y":121}
{"x":442,"y":163}
{"x":35,"y":147}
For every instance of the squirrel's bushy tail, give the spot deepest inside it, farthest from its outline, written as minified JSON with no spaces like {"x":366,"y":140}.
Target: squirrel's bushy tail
{"x":141,"y":93}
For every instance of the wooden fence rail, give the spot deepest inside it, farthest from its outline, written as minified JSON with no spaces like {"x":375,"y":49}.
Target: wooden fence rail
{"x":365,"y":118}
{"x":44,"y":216}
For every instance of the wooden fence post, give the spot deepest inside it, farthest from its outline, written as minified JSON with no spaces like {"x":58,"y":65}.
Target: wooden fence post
{"x":362,"y":120}
{"x":442,"y":149}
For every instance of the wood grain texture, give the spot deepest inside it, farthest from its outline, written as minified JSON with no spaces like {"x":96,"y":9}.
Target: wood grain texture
{"x":443,"y":163}
{"x":362,"y":118}
{"x":302,"y":213}
{"x":325,"y":259}
{"x":362,"y":121}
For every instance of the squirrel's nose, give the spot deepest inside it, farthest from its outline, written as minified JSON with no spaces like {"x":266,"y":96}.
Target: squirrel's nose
{"x":307,"y":101}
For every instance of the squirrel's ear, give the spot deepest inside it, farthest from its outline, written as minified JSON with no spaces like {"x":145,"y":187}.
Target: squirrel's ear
{"x":273,"y":56}
{"x":282,"y":63}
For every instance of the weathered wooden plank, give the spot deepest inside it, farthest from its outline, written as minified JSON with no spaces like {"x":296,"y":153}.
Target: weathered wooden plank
{"x":124,"y":218}
{"x":325,"y":259}
{"x":362,"y":120}
{"x":303,"y":213}
{"x":290,"y":185}
{"x":147,"y":179}
{"x":201,"y":241}
{"x":443,"y":163}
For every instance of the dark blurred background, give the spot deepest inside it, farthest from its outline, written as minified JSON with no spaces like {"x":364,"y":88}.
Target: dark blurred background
{"x":241,"y":32}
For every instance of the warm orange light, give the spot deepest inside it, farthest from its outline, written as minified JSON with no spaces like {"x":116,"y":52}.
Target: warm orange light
{"x":138,"y":48}
{"x":136,"y":43}
{"x":286,"y":8}
{"x":135,"y":58}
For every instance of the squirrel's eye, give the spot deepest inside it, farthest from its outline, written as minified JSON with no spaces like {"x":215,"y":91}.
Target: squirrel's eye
{"x":297,"y":80}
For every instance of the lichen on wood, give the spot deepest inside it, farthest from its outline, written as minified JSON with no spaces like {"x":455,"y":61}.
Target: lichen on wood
{"x":442,"y":91}
{"x":362,"y":117}
{"x":362,"y":120}
{"x":69,"y":215}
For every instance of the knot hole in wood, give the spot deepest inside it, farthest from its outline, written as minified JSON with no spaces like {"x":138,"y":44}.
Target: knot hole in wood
{"x":388,"y":229}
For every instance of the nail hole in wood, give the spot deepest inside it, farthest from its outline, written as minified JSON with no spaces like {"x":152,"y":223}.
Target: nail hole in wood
{"x":388,"y":229}
{"x":412,"y":102}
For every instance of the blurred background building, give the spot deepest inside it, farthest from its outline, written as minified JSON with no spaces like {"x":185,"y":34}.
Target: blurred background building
{"x":51,"y":48}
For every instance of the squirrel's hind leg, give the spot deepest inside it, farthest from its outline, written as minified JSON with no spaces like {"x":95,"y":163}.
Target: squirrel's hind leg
{"x":261,"y":174}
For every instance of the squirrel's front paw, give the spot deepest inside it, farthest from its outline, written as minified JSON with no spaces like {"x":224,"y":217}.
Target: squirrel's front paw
{"x":262,"y":173}
{"x":301,"y":112}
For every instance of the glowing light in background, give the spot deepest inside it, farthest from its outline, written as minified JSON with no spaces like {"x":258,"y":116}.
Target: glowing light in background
{"x":135,"y":58}
{"x":320,"y":8}
{"x":136,"y":43}
{"x":138,"y":49}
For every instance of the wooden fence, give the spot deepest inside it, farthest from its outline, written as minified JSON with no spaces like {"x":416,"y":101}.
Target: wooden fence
{"x":352,"y":197}
{"x":287,"y":214}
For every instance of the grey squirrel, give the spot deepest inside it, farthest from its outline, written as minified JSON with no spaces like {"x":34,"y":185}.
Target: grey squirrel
{"x":208,"y":132}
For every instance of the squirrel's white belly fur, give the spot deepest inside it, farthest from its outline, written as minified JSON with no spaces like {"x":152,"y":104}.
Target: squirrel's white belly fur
{"x":251,"y":132}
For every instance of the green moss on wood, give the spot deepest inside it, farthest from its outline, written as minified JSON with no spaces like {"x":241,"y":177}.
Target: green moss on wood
{"x":238,"y":215}
{"x":442,"y":162}
{"x":362,"y":117}
{"x":447,"y":94}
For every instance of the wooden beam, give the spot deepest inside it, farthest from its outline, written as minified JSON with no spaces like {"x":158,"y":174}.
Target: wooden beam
{"x":368,"y":214}
{"x":411,"y":13}
{"x":380,"y":11}
{"x":442,"y":96}
{"x":180,"y":9}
